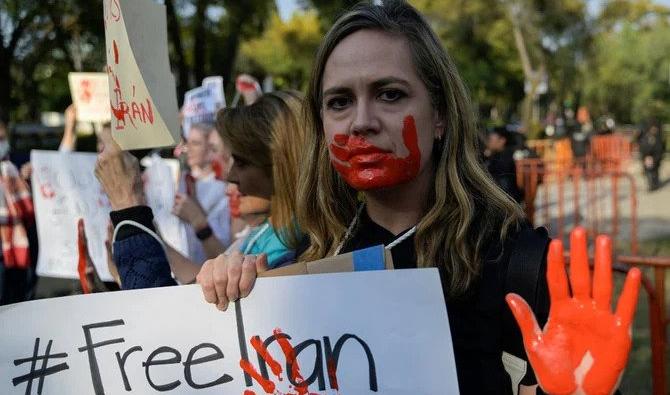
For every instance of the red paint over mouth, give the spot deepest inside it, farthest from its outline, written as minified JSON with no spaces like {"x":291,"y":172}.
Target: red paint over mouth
{"x":365,"y":166}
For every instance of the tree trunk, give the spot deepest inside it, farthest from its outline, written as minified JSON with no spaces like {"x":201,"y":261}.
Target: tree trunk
{"x":200,"y":33}
{"x":178,"y":51}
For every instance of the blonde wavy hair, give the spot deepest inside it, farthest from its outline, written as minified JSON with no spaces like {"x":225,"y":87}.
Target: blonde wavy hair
{"x":266,"y":134}
{"x":466,"y":208}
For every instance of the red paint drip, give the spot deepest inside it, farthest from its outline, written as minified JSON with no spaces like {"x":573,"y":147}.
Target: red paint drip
{"x":291,"y":359}
{"x":268,"y":385}
{"x":275,"y":366}
{"x":332,"y":373}
{"x":116,"y":52}
{"x":249,"y":392}
{"x":365,"y":166}
{"x":83,"y":252}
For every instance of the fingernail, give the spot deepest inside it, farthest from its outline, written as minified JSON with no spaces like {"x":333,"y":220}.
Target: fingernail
{"x":222,"y":306}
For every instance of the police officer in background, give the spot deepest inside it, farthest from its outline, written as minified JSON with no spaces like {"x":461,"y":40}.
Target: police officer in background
{"x":499,"y":160}
{"x":652,"y":147}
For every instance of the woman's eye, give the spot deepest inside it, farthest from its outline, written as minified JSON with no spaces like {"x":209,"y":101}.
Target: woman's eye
{"x":391,"y":95}
{"x":337,"y":103}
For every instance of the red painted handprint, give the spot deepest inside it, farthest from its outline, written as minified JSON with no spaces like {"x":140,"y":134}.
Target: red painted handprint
{"x":584,"y":347}
{"x":269,"y":386}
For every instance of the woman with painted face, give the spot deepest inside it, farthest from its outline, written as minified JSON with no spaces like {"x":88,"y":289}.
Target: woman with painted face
{"x":391,"y":158}
{"x":391,"y":121}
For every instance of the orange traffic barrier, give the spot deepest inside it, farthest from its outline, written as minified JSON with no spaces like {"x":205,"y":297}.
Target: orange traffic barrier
{"x":586,"y":193}
{"x":658,"y":314}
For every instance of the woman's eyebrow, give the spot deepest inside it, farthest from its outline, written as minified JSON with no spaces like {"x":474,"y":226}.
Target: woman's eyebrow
{"x":388,"y":81}
{"x":336,"y":90}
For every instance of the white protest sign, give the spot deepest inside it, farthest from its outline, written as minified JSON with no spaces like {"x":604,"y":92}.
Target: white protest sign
{"x":215,"y":85}
{"x":201,"y":104}
{"x":363,"y":334}
{"x":141,"y":85}
{"x":90,"y":94}
{"x":65,"y":189}
{"x":160,"y":187}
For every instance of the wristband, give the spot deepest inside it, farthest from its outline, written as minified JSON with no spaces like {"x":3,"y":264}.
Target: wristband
{"x":204,"y":233}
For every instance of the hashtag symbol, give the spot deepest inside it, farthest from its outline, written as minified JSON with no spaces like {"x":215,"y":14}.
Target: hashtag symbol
{"x":42,"y":372}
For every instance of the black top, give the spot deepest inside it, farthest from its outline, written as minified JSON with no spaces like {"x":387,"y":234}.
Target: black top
{"x":502,"y":168}
{"x":475,"y":318}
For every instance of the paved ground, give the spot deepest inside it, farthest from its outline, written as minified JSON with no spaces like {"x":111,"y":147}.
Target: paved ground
{"x":596,"y":210}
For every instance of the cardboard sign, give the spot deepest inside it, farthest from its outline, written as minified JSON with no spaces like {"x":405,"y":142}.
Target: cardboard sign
{"x":346,"y":333}
{"x":142,"y":90}
{"x":90,"y":94}
{"x":372,"y":258}
{"x":201,"y":104}
{"x":65,"y":189}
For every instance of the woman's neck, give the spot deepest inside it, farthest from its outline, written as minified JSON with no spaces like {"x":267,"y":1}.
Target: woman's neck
{"x":399,"y":208}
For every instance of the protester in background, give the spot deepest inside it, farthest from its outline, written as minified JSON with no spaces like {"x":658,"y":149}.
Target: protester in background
{"x":201,"y":201}
{"x":499,"y":160}
{"x":17,"y":230}
{"x":652,"y":148}
{"x":265,"y":164}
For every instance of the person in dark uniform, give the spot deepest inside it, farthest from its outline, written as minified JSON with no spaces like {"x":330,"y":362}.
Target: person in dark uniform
{"x":499,"y":160}
{"x":652,"y":148}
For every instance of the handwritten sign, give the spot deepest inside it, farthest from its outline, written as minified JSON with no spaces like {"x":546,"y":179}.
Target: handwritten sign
{"x":142,"y":90}
{"x":363,"y":334}
{"x":201,"y":104}
{"x":90,"y":94}
{"x":65,"y":189}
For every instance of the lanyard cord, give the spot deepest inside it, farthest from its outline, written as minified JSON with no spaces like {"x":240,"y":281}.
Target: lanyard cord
{"x":255,"y":238}
{"x":353,"y":223}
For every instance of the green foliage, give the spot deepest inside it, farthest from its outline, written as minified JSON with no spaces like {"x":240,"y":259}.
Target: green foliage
{"x":630,"y":73}
{"x":286,"y":49}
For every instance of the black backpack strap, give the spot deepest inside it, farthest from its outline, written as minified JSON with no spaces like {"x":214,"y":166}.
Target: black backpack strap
{"x":526,"y":277}
{"x":527,"y":265}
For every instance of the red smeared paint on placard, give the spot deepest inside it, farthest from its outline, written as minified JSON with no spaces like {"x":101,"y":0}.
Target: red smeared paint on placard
{"x":83,"y":252}
{"x":290,"y":355}
{"x":268,"y":385}
{"x":275,"y":366}
{"x":331,"y":366}
{"x":292,"y":360}
{"x":116,"y":52}
{"x":365,"y":166}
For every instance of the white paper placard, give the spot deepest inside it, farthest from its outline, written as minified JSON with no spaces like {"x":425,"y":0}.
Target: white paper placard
{"x":160,"y":187}
{"x":141,"y":85}
{"x":90,"y":95}
{"x":201,"y":104}
{"x":363,"y":331}
{"x":65,"y":189}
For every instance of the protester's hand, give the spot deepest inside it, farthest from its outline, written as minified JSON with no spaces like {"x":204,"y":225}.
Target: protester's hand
{"x":111,"y":265}
{"x":26,"y":171}
{"x":248,"y":87}
{"x":88,"y":275}
{"x":584,"y":347}
{"x":227,"y":278}
{"x":189,"y":210}
{"x":70,"y":114}
{"x":119,"y":174}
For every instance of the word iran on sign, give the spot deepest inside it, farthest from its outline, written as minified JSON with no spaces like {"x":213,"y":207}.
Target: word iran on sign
{"x":345,"y":333}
